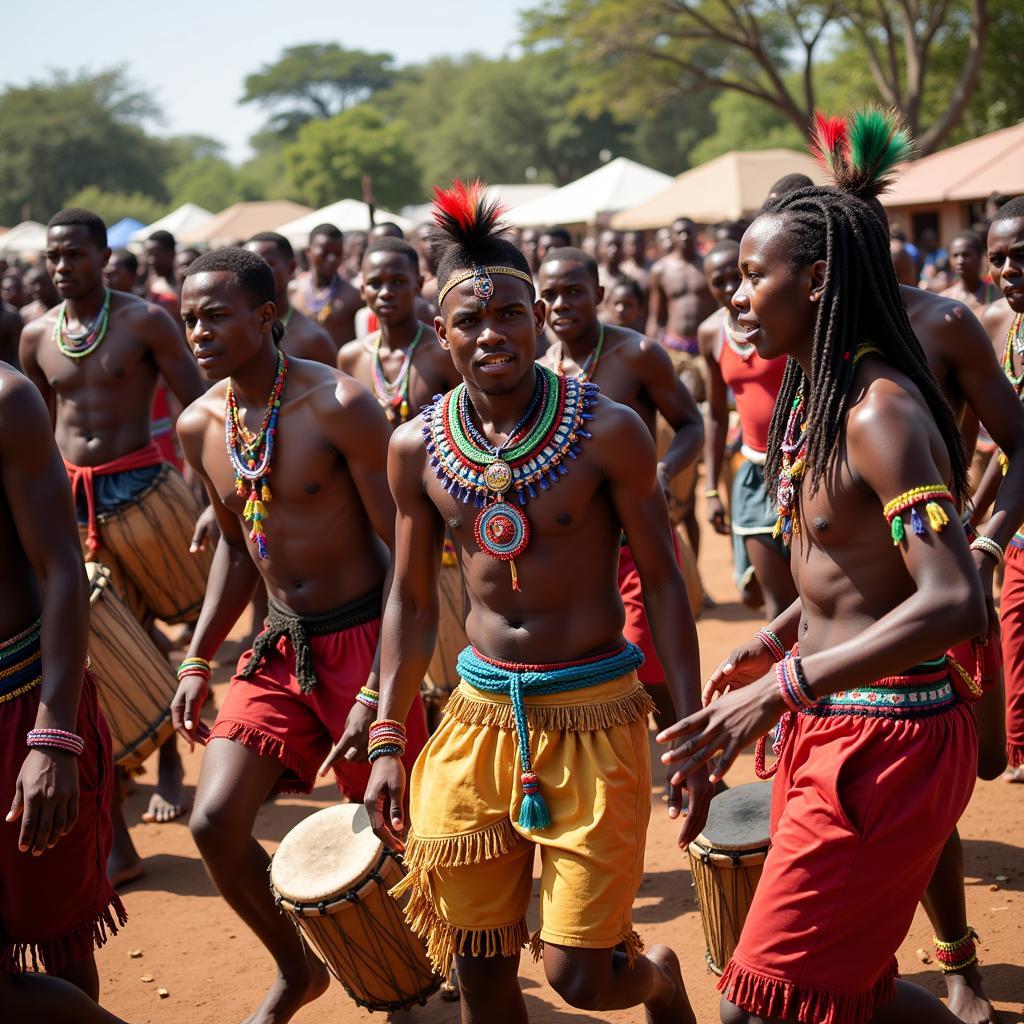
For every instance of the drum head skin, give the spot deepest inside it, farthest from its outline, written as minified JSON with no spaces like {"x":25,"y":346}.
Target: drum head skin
{"x":739,"y":818}
{"x":325,"y":855}
{"x":99,"y":578}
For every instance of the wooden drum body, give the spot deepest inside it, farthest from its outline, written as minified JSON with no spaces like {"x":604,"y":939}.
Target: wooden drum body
{"x":133,"y":679}
{"x":333,"y":875}
{"x":726,"y":860}
{"x":150,"y":539}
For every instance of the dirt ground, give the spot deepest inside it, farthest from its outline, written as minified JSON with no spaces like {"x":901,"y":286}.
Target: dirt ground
{"x":215,"y":972}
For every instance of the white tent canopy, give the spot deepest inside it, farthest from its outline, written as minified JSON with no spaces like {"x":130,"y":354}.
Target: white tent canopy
{"x":186,"y":218}
{"x":25,"y":239}
{"x":346,"y":215}
{"x":619,"y":184}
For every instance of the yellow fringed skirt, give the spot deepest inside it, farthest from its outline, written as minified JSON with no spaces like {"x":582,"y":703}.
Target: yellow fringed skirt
{"x":471,"y":866}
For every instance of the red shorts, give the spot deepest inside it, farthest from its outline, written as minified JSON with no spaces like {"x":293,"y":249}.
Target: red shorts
{"x":861,"y":808}
{"x":270,"y":714}
{"x":637,"y":629}
{"x":1011,"y":617}
{"x":57,"y":907}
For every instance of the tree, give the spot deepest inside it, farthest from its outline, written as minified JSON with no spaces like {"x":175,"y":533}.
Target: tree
{"x":329,"y":158}
{"x":766,"y":50}
{"x":209,"y":181}
{"x":70,"y":132}
{"x":115,"y":206}
{"x":316,"y":81}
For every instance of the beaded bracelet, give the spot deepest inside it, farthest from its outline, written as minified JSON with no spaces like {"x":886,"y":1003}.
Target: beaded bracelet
{"x":368,"y":698}
{"x":796,"y":694}
{"x":989,"y":546}
{"x":194,"y":667}
{"x":775,"y":646}
{"x":929,"y":496}
{"x":387,"y":738}
{"x":955,"y":956}
{"x":59,"y":739}
{"x":712,"y":493}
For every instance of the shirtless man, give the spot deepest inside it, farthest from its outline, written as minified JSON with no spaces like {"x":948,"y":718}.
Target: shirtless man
{"x":12,"y":288}
{"x":966,"y":253}
{"x":680,"y":300}
{"x":44,"y":296}
{"x":866,"y":441}
{"x":609,"y":258}
{"x":636,"y":372}
{"x":425,"y":244}
{"x":10,"y":333}
{"x":56,"y":904}
{"x":321,"y":293}
{"x":98,"y":373}
{"x":161,"y":286}
{"x":321,"y":546}
{"x":470,"y":855}
{"x":302,"y":338}
{"x":634,"y":260}
{"x":121,"y":274}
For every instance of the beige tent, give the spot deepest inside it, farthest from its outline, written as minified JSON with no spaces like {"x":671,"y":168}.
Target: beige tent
{"x":241,"y":221}
{"x":731,"y":186}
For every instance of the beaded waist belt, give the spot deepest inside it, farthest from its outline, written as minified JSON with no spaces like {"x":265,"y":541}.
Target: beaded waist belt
{"x":1016,"y":543}
{"x":20,"y":663}
{"x":519,"y":681}
{"x":682,"y":343}
{"x":924,"y":690}
{"x":283,"y":622}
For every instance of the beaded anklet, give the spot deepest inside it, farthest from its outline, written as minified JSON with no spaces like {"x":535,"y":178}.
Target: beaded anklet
{"x":989,"y":546}
{"x":955,"y":956}
{"x":929,"y":496}
{"x":387,"y":738}
{"x":58,"y":739}
{"x":775,"y":646}
{"x":368,"y":698}
{"x":796,"y":694}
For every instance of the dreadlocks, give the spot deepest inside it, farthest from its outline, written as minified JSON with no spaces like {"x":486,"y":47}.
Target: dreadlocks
{"x":861,"y":302}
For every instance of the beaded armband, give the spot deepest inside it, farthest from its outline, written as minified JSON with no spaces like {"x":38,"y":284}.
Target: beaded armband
{"x":989,"y":546}
{"x":387,"y":738}
{"x":775,"y":646}
{"x":929,"y":496}
{"x":955,"y":956}
{"x":368,"y":698}
{"x":796,"y":694}
{"x":194,"y":667}
{"x":58,"y":739}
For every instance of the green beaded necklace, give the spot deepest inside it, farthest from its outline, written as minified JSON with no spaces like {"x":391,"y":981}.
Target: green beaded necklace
{"x":88,"y":342}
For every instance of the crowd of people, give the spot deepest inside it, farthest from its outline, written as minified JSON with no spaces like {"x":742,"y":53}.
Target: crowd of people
{"x":456,"y":479}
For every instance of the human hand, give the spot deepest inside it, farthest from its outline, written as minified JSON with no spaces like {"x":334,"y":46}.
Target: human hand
{"x":45,"y":798}
{"x":747,"y":663}
{"x":986,"y":566}
{"x":384,"y":796}
{"x":185,"y":708}
{"x":352,"y":745}
{"x":715,"y":512}
{"x":699,"y":794}
{"x":206,"y":533}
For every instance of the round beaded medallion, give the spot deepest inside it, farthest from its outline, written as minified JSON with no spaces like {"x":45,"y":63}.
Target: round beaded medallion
{"x":502,"y":530}
{"x":498,"y":476}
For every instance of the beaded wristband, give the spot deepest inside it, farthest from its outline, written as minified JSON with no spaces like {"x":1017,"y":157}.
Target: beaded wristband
{"x":386,"y":738}
{"x":60,"y":739}
{"x":989,"y":546}
{"x":955,"y":956}
{"x":775,"y":646}
{"x":711,"y":493}
{"x":796,"y":694}
{"x":194,"y":667}
{"x":368,"y":698}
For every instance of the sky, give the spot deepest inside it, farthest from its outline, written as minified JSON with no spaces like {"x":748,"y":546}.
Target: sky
{"x":193,"y":55}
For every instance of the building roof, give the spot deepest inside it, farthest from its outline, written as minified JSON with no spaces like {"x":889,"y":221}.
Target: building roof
{"x":186,"y":218}
{"x":346,"y":215}
{"x":241,"y":221}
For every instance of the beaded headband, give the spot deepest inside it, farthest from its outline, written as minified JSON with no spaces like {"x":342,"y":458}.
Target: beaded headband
{"x":483,"y":286}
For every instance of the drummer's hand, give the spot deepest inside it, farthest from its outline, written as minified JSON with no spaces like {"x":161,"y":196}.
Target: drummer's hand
{"x":384,"y":797}
{"x":729,"y":725}
{"x":352,"y":745}
{"x":715,"y":512}
{"x":185,"y":708}
{"x":45,"y":798}
{"x":700,"y":791}
{"x":206,"y":533}
{"x":745,"y":665}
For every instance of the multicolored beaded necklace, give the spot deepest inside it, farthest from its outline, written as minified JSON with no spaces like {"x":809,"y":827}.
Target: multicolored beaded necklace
{"x":589,"y":367}
{"x":393,"y":396}
{"x":89,"y":338}
{"x":531,"y":458}
{"x":250,"y":455}
{"x":319,"y":299}
{"x":1014,"y":343}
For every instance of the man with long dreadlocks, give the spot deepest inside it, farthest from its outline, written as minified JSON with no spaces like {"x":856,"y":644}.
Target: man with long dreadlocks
{"x":876,"y":761}
{"x":543,"y":743}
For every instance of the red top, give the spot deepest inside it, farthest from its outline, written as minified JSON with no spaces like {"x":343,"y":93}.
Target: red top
{"x":755,"y":382}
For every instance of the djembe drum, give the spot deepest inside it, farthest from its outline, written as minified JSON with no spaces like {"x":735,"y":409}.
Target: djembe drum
{"x":333,"y":875}
{"x":150,"y":537}
{"x":133,"y":679}
{"x":726,"y":860}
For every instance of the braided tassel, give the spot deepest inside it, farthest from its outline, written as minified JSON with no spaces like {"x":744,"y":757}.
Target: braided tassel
{"x":915,"y":521}
{"x":897,"y":530}
{"x":937,"y":518}
{"x":533,"y":813}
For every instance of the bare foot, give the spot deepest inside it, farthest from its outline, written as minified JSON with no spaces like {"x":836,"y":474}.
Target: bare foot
{"x":123,"y":868}
{"x":676,"y":1008}
{"x":168,"y":802}
{"x":1014,"y":774}
{"x":288,"y":995}
{"x":967,"y":999}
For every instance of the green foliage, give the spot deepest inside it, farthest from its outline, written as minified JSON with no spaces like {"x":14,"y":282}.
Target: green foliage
{"x":70,"y":132}
{"x":115,"y":206}
{"x":316,"y":81}
{"x":209,"y":181}
{"x":329,"y":158}
{"x":745,"y":123}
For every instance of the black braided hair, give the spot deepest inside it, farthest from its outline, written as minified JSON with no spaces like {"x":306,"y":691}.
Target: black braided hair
{"x":861,"y":302}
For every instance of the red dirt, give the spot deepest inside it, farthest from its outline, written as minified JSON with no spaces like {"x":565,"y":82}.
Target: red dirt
{"x":216,"y":972}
